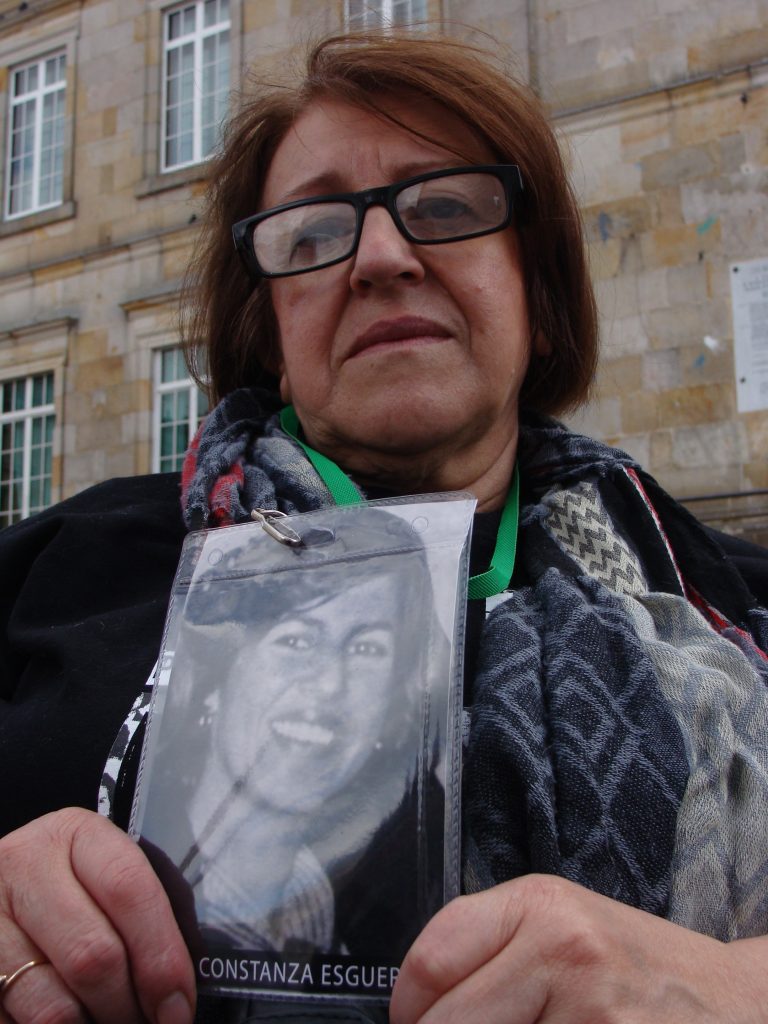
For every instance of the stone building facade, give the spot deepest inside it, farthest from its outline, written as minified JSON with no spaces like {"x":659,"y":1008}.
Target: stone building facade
{"x":663,"y":108}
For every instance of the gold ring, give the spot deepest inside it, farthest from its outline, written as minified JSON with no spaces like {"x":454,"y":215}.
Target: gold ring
{"x":6,"y":980}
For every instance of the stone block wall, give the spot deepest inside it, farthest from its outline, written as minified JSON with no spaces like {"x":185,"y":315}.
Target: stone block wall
{"x":663,"y":110}
{"x":673,"y":187}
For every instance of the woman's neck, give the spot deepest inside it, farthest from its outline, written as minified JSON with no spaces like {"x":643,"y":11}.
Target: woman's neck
{"x":483,"y":470}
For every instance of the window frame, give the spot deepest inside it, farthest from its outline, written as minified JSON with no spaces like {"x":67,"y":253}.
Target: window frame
{"x":14,"y":54}
{"x":381,"y":15}
{"x":161,"y":388}
{"x":37,"y":96}
{"x":154,"y":179}
{"x":27,"y":415}
{"x":34,"y":349}
{"x":197,"y":39}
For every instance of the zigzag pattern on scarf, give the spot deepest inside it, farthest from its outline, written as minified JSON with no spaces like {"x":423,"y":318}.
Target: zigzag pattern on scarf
{"x":582,"y":526}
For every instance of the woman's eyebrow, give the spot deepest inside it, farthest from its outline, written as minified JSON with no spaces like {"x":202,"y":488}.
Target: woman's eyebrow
{"x":318,"y":185}
{"x":330,"y":183}
{"x":297,"y":619}
{"x":383,"y":625}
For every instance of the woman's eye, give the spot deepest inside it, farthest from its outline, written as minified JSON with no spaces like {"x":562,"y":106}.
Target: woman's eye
{"x":367,"y":649}
{"x":320,"y":241}
{"x":311,"y":240}
{"x":293,"y":641}
{"x":442,"y":208}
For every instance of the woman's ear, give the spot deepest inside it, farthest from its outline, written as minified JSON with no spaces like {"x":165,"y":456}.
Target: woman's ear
{"x":285,"y":387}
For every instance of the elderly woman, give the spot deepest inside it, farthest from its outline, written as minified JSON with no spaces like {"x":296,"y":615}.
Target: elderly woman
{"x":411,"y":281}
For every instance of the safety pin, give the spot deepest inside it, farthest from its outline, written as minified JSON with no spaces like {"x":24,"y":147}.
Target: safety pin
{"x":283,"y":532}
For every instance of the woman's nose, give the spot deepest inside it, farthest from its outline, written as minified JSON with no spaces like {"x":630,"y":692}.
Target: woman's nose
{"x":327,"y":676}
{"x":383,"y":256}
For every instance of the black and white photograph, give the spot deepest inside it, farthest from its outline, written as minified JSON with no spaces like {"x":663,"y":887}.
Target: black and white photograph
{"x":295,"y":798}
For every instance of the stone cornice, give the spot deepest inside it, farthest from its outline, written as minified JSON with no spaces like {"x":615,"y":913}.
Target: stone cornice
{"x":38,"y":328}
{"x":17,"y":12}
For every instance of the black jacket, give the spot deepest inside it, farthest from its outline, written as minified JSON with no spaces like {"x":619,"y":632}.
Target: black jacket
{"x":83,"y":599}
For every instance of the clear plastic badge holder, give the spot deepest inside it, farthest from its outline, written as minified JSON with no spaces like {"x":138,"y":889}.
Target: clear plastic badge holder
{"x":300,"y":784}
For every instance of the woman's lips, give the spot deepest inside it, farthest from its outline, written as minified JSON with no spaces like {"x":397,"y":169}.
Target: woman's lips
{"x":306,"y":733}
{"x":397,"y":330}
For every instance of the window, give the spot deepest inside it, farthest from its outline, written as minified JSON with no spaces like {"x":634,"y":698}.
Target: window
{"x":178,"y":409}
{"x":35,"y":172}
{"x":375,"y":13}
{"x":27,"y":419}
{"x":195,"y":80}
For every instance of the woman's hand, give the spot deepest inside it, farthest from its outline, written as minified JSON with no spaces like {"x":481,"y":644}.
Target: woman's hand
{"x":76,"y":891}
{"x":542,"y":949}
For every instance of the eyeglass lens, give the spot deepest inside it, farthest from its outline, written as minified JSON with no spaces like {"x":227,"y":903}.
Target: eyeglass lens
{"x":433,"y":210}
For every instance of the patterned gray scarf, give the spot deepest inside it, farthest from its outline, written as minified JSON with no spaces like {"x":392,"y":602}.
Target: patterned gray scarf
{"x":620,"y":719}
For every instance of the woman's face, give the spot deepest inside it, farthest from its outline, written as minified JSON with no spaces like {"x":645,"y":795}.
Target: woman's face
{"x":318,"y":684}
{"x":402,"y":349}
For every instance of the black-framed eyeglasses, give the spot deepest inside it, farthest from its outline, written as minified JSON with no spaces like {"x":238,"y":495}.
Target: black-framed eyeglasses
{"x":429,"y":209}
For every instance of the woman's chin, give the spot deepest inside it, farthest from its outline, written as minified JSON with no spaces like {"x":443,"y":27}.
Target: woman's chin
{"x":294,"y":803}
{"x":410,"y":420}
{"x":422,"y":433}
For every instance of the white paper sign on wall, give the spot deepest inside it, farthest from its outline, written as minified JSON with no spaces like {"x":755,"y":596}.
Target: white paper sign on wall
{"x":749,"y":296}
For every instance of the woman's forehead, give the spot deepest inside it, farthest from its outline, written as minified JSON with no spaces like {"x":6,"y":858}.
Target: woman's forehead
{"x":337,"y":146}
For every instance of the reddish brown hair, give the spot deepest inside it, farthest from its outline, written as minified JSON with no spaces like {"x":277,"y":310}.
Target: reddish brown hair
{"x":234,"y":317}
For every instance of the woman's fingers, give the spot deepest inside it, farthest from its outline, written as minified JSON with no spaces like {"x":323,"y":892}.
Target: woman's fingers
{"x":53,"y":910}
{"x":458,"y":942}
{"x":541,"y":949}
{"x":130,"y":894}
{"x":35,"y":993}
{"x":39,"y":997}
{"x":83,"y":893}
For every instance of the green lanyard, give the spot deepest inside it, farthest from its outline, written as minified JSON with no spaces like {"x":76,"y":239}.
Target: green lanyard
{"x":484,"y":584}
